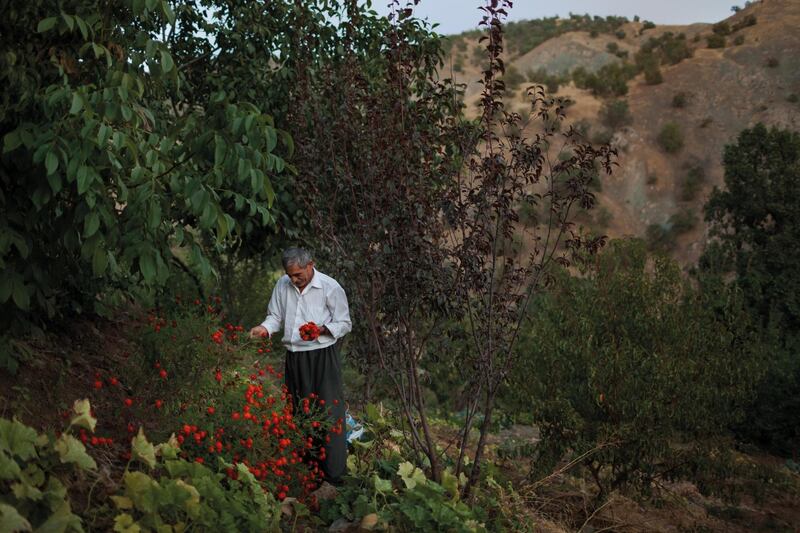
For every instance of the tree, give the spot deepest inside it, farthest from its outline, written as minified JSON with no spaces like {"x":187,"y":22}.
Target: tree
{"x":755,"y":230}
{"x":123,"y":160}
{"x":496,"y":279}
{"x":629,"y":367}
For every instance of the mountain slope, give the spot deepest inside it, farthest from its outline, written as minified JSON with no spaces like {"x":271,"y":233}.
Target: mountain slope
{"x":709,"y":97}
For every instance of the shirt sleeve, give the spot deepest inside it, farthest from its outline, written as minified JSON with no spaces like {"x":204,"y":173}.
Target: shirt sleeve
{"x":340,"y":325}
{"x":275,"y":311}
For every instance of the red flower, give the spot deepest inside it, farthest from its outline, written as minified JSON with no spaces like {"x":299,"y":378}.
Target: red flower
{"x":163,"y":374}
{"x":309,"y":331}
{"x":128,"y":401}
{"x":210,"y":410}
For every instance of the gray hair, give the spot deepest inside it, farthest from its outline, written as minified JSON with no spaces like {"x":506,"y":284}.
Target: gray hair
{"x":296,"y":256}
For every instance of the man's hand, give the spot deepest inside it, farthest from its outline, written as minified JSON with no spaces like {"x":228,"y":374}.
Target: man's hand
{"x":258,"y":332}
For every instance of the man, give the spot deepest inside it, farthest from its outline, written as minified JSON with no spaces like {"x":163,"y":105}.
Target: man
{"x":312,"y":366}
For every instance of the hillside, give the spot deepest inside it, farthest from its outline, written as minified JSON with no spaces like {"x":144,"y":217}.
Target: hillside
{"x":753,"y":76}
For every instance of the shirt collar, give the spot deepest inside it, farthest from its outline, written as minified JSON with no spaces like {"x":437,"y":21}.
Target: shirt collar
{"x":316,"y":280}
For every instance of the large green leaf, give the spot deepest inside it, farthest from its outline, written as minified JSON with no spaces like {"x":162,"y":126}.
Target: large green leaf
{"x":83,"y":415}
{"x":143,"y":450}
{"x":71,"y":450}
{"x":17,"y":439}
{"x":11,"y":520}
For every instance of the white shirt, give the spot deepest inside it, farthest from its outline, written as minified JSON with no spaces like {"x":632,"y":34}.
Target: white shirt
{"x":322,"y":301}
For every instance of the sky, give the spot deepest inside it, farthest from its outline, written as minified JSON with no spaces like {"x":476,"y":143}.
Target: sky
{"x":455,"y":16}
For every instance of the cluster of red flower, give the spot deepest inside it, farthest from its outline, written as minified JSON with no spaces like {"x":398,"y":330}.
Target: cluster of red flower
{"x":309,"y":331}
{"x":241,"y":419}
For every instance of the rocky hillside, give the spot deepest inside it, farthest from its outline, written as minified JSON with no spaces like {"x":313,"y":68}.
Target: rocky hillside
{"x":672,"y":115}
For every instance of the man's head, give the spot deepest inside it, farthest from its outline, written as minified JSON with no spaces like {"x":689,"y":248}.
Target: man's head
{"x":299,"y":266}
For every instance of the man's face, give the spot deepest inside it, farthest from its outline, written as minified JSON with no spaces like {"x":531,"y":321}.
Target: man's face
{"x":300,"y":276}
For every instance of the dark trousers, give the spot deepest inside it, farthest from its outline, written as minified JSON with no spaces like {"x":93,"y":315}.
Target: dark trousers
{"x":320,"y":372}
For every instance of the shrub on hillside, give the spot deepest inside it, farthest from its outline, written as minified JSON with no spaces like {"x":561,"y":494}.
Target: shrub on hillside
{"x":721,"y":28}
{"x":715,"y":41}
{"x":609,"y":80}
{"x":680,"y":100}
{"x":738,"y":40}
{"x":652,"y":76}
{"x":670,"y":138}
{"x":619,"y":34}
{"x":772,"y":62}
{"x":513,"y":78}
{"x":648,"y":25}
{"x":634,"y":366}
{"x":692,"y":183}
{"x":615,"y":114}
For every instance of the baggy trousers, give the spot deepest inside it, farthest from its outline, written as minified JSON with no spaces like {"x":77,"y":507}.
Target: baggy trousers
{"x":320,"y":372}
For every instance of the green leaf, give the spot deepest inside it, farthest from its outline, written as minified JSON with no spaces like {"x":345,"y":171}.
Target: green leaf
{"x":84,"y":179}
{"x":61,"y":520}
{"x":21,"y":296}
{"x":219,"y":150}
{"x":147,"y":265}
{"x":143,"y":450}
{"x":46,"y":24}
{"x":124,"y":523}
{"x":151,"y":4}
{"x":381,"y":485}
{"x":166,"y":61}
{"x":411,"y":475}
{"x":83,"y":415}
{"x":9,"y":469}
{"x":69,"y":20}
{"x":51,"y":162}
{"x":82,"y":27}
{"x":11,"y":141}
{"x":99,"y":261}
{"x":71,"y":450}
{"x":142,"y":489}
{"x":122,"y":502}
{"x":154,"y":216}
{"x":91,"y":224}
{"x":77,"y":104}
{"x":11,"y":520}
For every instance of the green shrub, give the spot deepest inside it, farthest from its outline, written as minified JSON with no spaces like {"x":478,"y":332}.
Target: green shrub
{"x":721,"y":28}
{"x":715,"y":41}
{"x":692,"y":183}
{"x":631,"y":359}
{"x":603,"y":136}
{"x":619,"y":34}
{"x":612,"y":48}
{"x":682,"y":222}
{"x":772,"y":62}
{"x":615,"y":114}
{"x":648,"y":25}
{"x":652,"y":76}
{"x":680,"y":100}
{"x":659,"y":238}
{"x":392,"y":493}
{"x":670,"y":138}
{"x":181,"y":493}
{"x":609,"y":80}
{"x":749,"y":20}
{"x":738,"y":40}
{"x":513,"y":78}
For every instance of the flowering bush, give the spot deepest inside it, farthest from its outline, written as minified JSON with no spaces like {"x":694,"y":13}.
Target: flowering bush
{"x":207,"y":383}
